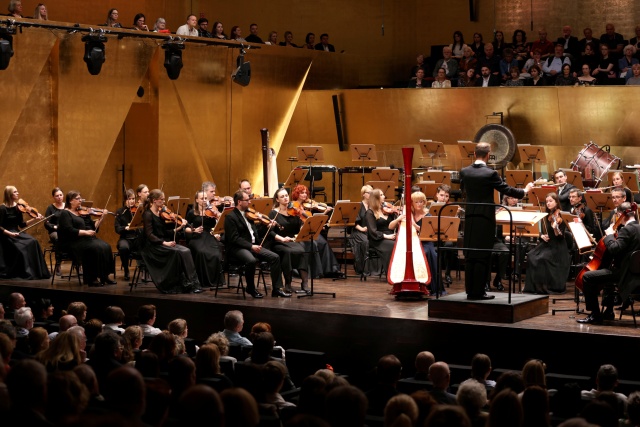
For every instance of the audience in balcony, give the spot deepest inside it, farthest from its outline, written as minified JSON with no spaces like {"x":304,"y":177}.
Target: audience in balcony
{"x":490,"y":60}
{"x":545,"y":46}
{"x":606,"y":69}
{"x":569,"y":43}
{"x":441,"y":79}
{"x":448,"y":63}
{"x":614,"y":41}
{"x":477,"y":45}
{"x":139,"y":22}
{"x":161,"y":26}
{"x":203,"y":28}
{"x":254,"y":37}
{"x":218,"y":31}
{"x":457,"y":47}
{"x":112,"y":19}
{"x":499,"y":44}
{"x":586,"y":79}
{"x":507,"y":62}
{"x":236,"y":34}
{"x":626,"y":62}
{"x":310,"y":41}
{"x":15,"y":8}
{"x":288,"y":40}
{"x":635,"y":80}
{"x":566,"y":78}
{"x":190,"y":28}
{"x":41,"y":12}
{"x":588,"y":38}
{"x":521,"y":48}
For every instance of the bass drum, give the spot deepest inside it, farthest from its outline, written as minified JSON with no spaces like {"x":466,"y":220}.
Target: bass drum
{"x":503,"y":144}
{"x":593,"y":163}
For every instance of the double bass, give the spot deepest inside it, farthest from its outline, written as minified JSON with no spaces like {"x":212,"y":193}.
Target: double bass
{"x":599,"y":259}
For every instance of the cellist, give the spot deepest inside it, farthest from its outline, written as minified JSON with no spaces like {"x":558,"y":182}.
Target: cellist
{"x":620,"y":244}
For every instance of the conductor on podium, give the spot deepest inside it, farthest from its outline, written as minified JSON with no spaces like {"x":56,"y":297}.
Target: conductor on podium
{"x":479,"y":182}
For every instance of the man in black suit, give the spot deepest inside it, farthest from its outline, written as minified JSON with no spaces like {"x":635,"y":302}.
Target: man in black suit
{"x":570,"y":43}
{"x":487,"y":79}
{"x":254,"y":37}
{"x":241,"y":241}
{"x":560,"y":178}
{"x":618,"y":197}
{"x":620,"y":247}
{"x":479,"y":181}
{"x":324,"y":44}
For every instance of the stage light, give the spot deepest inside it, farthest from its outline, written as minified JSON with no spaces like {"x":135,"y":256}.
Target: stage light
{"x":242,"y":74}
{"x":173,"y":58}
{"x":6,"y":46}
{"x":94,"y":52}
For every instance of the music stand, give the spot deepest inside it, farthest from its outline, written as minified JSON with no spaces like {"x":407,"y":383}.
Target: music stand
{"x":432,"y":149}
{"x":448,"y":231}
{"x":387,"y":187}
{"x":429,"y":188}
{"x":540,"y":194}
{"x":441,"y":177}
{"x":532,"y":154}
{"x":583,"y":239}
{"x":344,"y":215}
{"x":309,"y":233}
{"x":310,"y":153}
{"x":363,"y":153}
{"x":219,"y":228}
{"x":518,"y":178}
{"x":467,"y":149}
{"x":599,"y":202}
{"x":386,"y":174}
{"x":573,"y":177}
{"x":449,"y":210}
{"x":263,"y":205}
{"x":136,"y":221}
{"x":295,"y":177}
{"x":178,"y":205}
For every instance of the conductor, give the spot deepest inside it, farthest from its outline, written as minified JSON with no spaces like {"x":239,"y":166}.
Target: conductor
{"x":479,"y":181}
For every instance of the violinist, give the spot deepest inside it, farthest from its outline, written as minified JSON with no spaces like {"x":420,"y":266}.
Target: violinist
{"x":380,"y":227}
{"x":419,"y":211}
{"x":245,"y":187}
{"x":560,"y":178}
{"x":206,"y":249}
{"x":443,"y":194}
{"x":143,"y":192}
{"x":213,"y":201}
{"x":282,"y":241}
{"x":620,"y":245}
{"x":129,"y":239}
{"x":328,"y":261}
{"x":170,"y":265}
{"x":549,"y":262}
{"x":21,"y":253}
{"x":243,"y":244}
{"x":53,"y":214}
{"x":358,"y":236}
{"x":579,"y":207}
{"x":618,"y":197}
{"x":77,"y":233}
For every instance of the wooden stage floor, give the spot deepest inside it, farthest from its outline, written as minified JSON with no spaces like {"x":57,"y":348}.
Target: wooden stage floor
{"x":364,"y":322}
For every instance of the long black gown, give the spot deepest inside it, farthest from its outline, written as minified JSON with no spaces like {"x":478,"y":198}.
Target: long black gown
{"x":292,"y":254}
{"x":206,"y":250}
{"x":432,"y":259}
{"x":94,"y":254}
{"x":52,"y":222}
{"x":376,"y":228}
{"x":129,"y":241}
{"x":22,"y":256}
{"x":171,"y":268}
{"x":359,"y":243}
{"x":548,"y":263}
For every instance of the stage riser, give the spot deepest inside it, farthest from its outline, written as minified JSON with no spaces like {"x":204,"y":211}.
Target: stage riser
{"x":497,"y":310}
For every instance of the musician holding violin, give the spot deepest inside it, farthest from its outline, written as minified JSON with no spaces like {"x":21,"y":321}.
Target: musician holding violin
{"x":21,"y":253}
{"x":381,"y":224}
{"x":77,"y":234}
{"x":584,"y":213}
{"x":549,"y":262}
{"x":170,"y":265}
{"x":358,"y":236}
{"x":621,"y":240}
{"x":324,"y":256}
{"x":53,"y":213}
{"x":206,"y":249}
{"x":282,"y":241}
{"x":129,"y":240}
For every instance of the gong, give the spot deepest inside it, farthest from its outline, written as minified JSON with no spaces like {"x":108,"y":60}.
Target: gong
{"x":502,"y":141}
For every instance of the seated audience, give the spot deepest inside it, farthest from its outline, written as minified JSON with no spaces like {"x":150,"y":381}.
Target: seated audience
{"x":448,"y":63}
{"x":218,"y":31}
{"x":481,"y":369}
{"x":553,"y":64}
{"x":418,"y":82}
{"x":586,"y":79}
{"x":627,"y":61}
{"x":387,"y":374}
{"x":236,"y":34}
{"x":467,"y":61}
{"x":41,"y":12}
{"x":468,"y":79}
{"x":15,"y":9}
{"x":569,"y":43}
{"x":566,"y":78}
{"x":112,"y":19}
{"x":521,"y":48}
{"x":114,"y":319}
{"x":146,"y":320}
{"x":545,"y":46}
{"x":401,"y":409}
{"x":440,"y":376}
{"x":614,"y":41}
{"x":288,"y":40}
{"x":507,"y":63}
{"x":487,"y":79}
{"x":324,"y":44}
{"x":203,"y":27}
{"x":635,"y":80}
{"x":457,"y":47}
{"x":441,"y":79}
{"x":233,"y":323}
{"x":537,"y":79}
{"x":514,"y":77}
{"x":139,"y":22}
{"x":490,"y":60}
{"x":472,"y":396}
{"x":606,"y":69}
{"x":309,"y":41}
{"x":190,"y":28}
{"x":161,"y":26}
{"x":254,"y":37}
{"x":498,"y":43}
{"x":588,"y":39}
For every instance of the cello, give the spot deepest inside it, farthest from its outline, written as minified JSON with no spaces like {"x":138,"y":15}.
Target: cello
{"x":599,"y":259}
{"x":408,"y":270}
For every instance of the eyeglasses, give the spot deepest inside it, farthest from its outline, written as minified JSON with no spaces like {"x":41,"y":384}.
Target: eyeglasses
{"x":617,"y":197}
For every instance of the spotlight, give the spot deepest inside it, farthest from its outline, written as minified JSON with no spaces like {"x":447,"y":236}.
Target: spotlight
{"x":94,"y":52}
{"x":173,"y":58}
{"x":242,"y":74}
{"x":6,"y":46}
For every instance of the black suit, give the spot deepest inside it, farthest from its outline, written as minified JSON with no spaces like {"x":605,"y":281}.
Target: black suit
{"x":563,"y":196}
{"x":493,"y":81}
{"x":330,"y":47}
{"x":573,"y":47}
{"x":621,"y":248}
{"x":479,"y":182}
{"x":238,"y":245}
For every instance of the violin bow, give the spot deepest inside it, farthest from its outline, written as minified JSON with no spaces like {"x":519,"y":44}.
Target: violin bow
{"x":102,"y":217}
{"x":35,"y":223}
{"x":269,"y":228}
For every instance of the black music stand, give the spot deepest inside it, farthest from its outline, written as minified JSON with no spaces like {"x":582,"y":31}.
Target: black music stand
{"x":467,"y":149}
{"x":309,"y":233}
{"x":363,"y":153}
{"x":432,"y":149}
{"x":344,"y":215}
{"x":311,"y":153}
{"x":532,"y":154}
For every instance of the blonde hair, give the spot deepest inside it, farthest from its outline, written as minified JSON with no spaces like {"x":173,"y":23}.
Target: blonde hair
{"x":365,"y":189}
{"x":8,"y":195}
{"x":375,"y":202}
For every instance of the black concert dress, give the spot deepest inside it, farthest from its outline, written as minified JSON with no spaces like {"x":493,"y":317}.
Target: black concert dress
{"x":171,"y":268}
{"x":52,"y":222}
{"x":129,"y":241}
{"x":360,"y":244}
{"x":376,"y":228}
{"x":93,"y":253}
{"x":549,"y":262}
{"x":22,"y":256}
{"x":206,"y":250}
{"x":292,"y":254}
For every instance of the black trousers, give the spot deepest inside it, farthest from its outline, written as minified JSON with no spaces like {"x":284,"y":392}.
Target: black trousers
{"x":593,"y":282}
{"x":249,"y":260}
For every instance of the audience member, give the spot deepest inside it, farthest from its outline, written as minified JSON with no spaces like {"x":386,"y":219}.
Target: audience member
{"x":254,"y":37}
{"x":468,"y":79}
{"x":447,"y":416}
{"x":635,"y":80}
{"x":544,"y":45}
{"x":105,"y":356}
{"x":80,"y":334}
{"x":288,"y":40}
{"x":181,"y":377}
{"x":457,"y":47}
{"x":165,"y":347}
{"x":201,"y":403}
{"x":425,"y":404}
{"x":606,"y":381}
{"x":478,"y":45}
{"x":63,"y":353}
{"x":131,"y":340}
{"x":448,"y":63}
{"x":236,"y":34}
{"x":222,"y":342}
{"x":146,"y":318}
{"x":533,"y":373}
{"x":218,"y":31}
{"x":14,"y":302}
{"x":440,"y":376}
{"x":24,"y":322}
{"x":38,"y":340}
{"x":552,"y":66}
{"x":161,"y":26}
{"x":66,"y":321}
{"x":203,"y":28}
{"x":77,"y":309}
{"x":537,"y":78}
{"x":627,"y":61}
{"x":233,"y":323}
{"x":324,"y":43}
{"x":441,"y":79}
{"x":481,"y":369}
{"x":67,"y":397}
{"x":423,"y":362}
{"x":112,"y":19}
{"x":498,"y":42}
{"x":387,"y":374}
{"x":588,"y":39}
{"x":240,"y":408}
{"x":15,"y":9}
{"x":7,"y":346}
{"x":346,"y":406}
{"x":124,"y":393}
{"x":43,"y":310}
{"x":490,"y":60}
{"x":27,"y":386}
{"x":274,"y":375}
{"x":190,"y":28}
{"x":566,"y":78}
{"x":208,"y":365}
{"x":535,"y":407}
{"x":418,"y":81}
{"x":569,"y":43}
{"x":309,"y":41}
{"x":401,"y":410}
{"x":507,"y":62}
{"x":607,"y":66}
{"x":600,"y":413}
{"x":467,"y":61}
{"x":472,"y":396}
{"x":272,"y":39}
{"x":508,"y":380}
{"x":521,"y":48}
{"x":139,"y":22}
{"x":614,"y":41}
{"x":505,"y":410}
{"x":114,"y":319}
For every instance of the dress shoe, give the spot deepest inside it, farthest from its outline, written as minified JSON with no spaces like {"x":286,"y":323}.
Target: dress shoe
{"x":280,"y":293}
{"x":126,"y":278}
{"x":480,"y":297}
{"x":197,"y":291}
{"x":498,"y":285}
{"x":591,"y":319}
{"x":96,"y":283}
{"x":447,"y":279}
{"x":109,"y":282}
{"x":255,"y":294}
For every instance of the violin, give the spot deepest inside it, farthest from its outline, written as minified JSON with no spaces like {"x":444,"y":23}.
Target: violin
{"x":296,"y":209}
{"x":212,"y":212}
{"x":25,"y":208}
{"x":579,"y":210}
{"x":170,"y":216}
{"x":315,"y":206}
{"x":556,"y":220}
{"x":254,"y":216}
{"x":388,"y":208}
{"x":84,"y":211}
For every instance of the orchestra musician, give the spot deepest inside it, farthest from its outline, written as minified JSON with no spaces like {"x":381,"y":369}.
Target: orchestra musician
{"x":560,"y":178}
{"x":358,"y":236}
{"x":206,"y":249}
{"x":53,"y":214}
{"x":327,"y":259}
{"x":579,"y":208}
{"x":549,"y":262}
{"x":443,"y":194}
{"x":618,"y":197}
{"x":479,"y":182}
{"x":381,"y":223}
{"x":21,"y":253}
{"x":245,"y":186}
{"x":77,"y":233}
{"x":129,"y":239}
{"x":617,"y":181}
{"x":143,"y":192}
{"x":419,"y":211}
{"x":170,"y":265}
{"x":243,"y":244}
{"x":620,"y":244}
{"x":282,"y":241}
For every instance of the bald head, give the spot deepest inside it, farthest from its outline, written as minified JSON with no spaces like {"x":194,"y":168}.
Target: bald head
{"x":424,"y":360}
{"x":439,"y":375}
{"x":67,"y":321}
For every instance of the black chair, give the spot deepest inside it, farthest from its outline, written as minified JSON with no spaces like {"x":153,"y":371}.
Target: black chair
{"x":314,"y":176}
{"x":634,"y":268}
{"x":302,"y":363}
{"x":262,"y":268}
{"x":372,"y":254}
{"x":233,"y":267}
{"x":409,"y":385}
{"x":62,"y":257}
{"x":139,"y":273}
{"x":51,"y":250}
